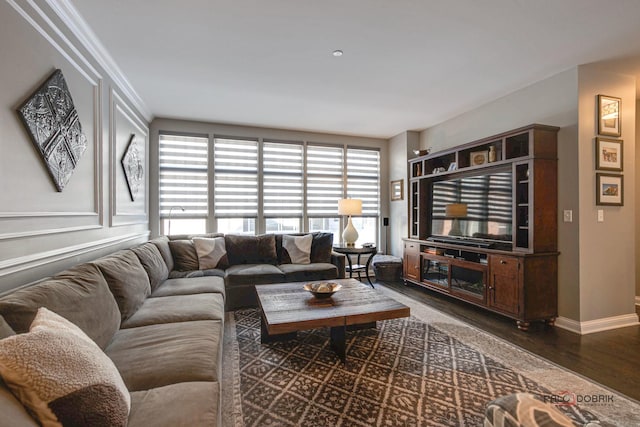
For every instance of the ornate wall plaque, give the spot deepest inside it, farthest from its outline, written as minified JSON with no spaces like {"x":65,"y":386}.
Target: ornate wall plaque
{"x":133,"y":167}
{"x":52,"y":122}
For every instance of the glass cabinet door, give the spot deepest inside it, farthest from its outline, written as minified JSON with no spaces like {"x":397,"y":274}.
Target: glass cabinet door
{"x":468,"y":282}
{"x":435,"y":272}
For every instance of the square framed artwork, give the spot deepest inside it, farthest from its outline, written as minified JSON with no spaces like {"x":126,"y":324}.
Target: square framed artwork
{"x":609,"y":189}
{"x":477,"y":158}
{"x":609,"y":109}
{"x":609,"y":154}
{"x":397,"y":190}
{"x":52,"y":122}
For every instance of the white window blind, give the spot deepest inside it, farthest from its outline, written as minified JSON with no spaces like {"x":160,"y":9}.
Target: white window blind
{"x":183,"y":176}
{"x":363,"y":179}
{"x":282,"y":184}
{"x":235,"y":177}
{"x":325,"y":182}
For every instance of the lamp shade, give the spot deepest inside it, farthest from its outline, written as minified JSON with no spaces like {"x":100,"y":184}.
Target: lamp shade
{"x":456,"y":210}
{"x":349,"y":207}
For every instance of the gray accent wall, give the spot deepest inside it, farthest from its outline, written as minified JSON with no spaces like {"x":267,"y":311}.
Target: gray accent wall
{"x":43,"y":231}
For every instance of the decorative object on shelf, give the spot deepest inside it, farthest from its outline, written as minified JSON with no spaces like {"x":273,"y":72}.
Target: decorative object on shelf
{"x":422,"y":152}
{"x":455,"y":211}
{"x":609,"y":189}
{"x":438,"y":170}
{"x":349,"y":207}
{"x":397,"y":190}
{"x":133,"y":167}
{"x":492,"y":154}
{"x":52,"y":122}
{"x":323,"y":289}
{"x":477,"y":158}
{"x":609,"y":154}
{"x":609,"y":109}
{"x":453,"y":166}
{"x":418,"y":169}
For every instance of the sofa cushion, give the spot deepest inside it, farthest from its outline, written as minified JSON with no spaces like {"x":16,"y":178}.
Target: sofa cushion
{"x":162,"y":243}
{"x":212,"y":253}
{"x":158,"y":355}
{"x":178,"y":308}
{"x":127,"y":280}
{"x":195,"y":285}
{"x":13,"y":412}
{"x":153,"y":264}
{"x":82,"y":286}
{"x":62,"y":376}
{"x":184,"y":255}
{"x":5,"y":329}
{"x":253,"y":274}
{"x":321,"y":247}
{"x":296,"y":249}
{"x":182,"y":404}
{"x":307,"y":272}
{"x":243,"y":249}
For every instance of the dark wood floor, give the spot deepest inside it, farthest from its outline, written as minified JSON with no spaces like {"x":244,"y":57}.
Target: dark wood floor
{"x":611,"y":358}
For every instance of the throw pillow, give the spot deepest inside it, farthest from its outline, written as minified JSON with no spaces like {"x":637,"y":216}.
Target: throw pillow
{"x":243,"y":249}
{"x":62,"y":377}
{"x":298,"y":248}
{"x":184,"y":254}
{"x":322,"y":247}
{"x":212,"y":253}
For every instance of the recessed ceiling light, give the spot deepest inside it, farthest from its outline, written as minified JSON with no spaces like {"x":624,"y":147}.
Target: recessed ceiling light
{"x":337,"y":52}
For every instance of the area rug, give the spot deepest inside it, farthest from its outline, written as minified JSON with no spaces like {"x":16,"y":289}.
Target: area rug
{"x":426,"y":370}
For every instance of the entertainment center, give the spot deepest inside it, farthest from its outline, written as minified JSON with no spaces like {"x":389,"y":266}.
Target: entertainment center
{"x":483,"y":223}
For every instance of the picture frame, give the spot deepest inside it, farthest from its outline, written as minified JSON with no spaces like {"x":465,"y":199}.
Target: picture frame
{"x":609,"y":189}
{"x":609,"y":154}
{"x":477,"y":158}
{"x":609,"y":114}
{"x":397,"y":190}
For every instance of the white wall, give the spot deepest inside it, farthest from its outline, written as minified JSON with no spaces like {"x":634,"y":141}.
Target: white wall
{"x":43,"y":231}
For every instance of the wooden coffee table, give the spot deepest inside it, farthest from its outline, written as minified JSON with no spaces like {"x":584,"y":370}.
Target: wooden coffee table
{"x":287,"y":308}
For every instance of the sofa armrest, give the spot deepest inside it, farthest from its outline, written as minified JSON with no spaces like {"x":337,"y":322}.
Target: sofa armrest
{"x":340,"y":261}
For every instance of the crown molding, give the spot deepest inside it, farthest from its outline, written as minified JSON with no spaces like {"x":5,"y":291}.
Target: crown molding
{"x":70,"y":16}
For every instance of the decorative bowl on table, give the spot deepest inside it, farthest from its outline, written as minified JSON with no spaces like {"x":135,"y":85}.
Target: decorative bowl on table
{"x":322,"y":289}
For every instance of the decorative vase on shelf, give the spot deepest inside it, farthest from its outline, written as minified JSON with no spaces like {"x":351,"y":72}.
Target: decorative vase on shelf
{"x":492,"y":154}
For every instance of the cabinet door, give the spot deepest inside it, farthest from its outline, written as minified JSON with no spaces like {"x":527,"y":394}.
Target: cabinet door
{"x":504,"y":289}
{"x":411,"y":261}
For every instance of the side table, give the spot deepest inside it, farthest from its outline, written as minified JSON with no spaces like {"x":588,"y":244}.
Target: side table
{"x":358,"y":267}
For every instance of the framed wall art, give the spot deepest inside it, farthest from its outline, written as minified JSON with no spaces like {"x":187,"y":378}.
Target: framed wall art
{"x":52,"y":122}
{"x":609,"y":154}
{"x":609,"y":189}
{"x":133,"y":167}
{"x":477,"y":158}
{"x":609,"y":109}
{"x":397,"y":190}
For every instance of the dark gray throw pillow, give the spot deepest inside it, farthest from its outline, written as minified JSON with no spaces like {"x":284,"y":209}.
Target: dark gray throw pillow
{"x":321,"y":247}
{"x":251,"y":249}
{"x":185,"y":257}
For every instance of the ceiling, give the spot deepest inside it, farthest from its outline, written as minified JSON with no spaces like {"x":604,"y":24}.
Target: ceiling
{"x":407,"y":64}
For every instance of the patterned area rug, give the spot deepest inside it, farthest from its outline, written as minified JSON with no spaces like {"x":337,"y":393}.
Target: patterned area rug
{"x":408,"y":372}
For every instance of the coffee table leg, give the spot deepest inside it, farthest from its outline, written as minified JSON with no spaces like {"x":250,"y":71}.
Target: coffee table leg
{"x":266,"y":338}
{"x":338,"y":341}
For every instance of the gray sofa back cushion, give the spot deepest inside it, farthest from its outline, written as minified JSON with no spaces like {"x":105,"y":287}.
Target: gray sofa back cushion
{"x":185,"y":257}
{"x":152,"y":261}
{"x":5,"y":329}
{"x":80,"y":295}
{"x":127,"y":280}
{"x":162,"y":243}
{"x":251,"y":249}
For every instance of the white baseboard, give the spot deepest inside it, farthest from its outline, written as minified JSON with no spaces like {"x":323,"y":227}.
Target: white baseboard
{"x":598,"y":325}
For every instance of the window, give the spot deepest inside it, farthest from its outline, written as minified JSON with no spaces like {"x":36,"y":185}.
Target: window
{"x":282,"y":192}
{"x":183,"y":193}
{"x":235,"y":185}
{"x":363,"y":182}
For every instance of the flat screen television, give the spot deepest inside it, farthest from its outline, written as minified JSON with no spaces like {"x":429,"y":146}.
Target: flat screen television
{"x":475,"y":207}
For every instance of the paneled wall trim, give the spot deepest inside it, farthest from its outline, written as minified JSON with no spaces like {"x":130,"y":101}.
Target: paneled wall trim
{"x":43,"y":231}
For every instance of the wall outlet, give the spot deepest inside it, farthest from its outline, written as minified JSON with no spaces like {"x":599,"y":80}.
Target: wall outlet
{"x":600,"y":215}
{"x":567,"y":215}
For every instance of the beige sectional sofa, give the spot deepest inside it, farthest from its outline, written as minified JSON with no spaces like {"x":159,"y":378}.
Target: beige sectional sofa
{"x":159,"y":320}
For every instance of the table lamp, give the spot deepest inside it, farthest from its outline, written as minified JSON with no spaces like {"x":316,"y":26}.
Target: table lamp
{"x":455,"y":211}
{"x":350,"y":207}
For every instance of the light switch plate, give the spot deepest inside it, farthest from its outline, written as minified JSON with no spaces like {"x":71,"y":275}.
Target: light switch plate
{"x":600,"y":215}
{"x":567,"y":215}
